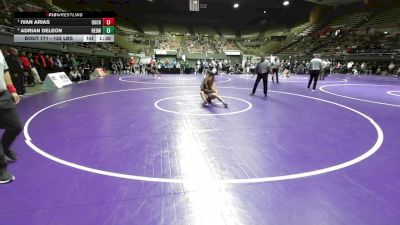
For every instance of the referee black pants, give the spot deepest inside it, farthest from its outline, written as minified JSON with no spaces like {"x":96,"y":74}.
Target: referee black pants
{"x":10,"y":122}
{"x":263,"y":76}
{"x":313,"y":76}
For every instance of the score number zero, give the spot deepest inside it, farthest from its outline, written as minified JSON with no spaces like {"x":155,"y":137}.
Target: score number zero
{"x":103,"y":22}
{"x":104,"y":30}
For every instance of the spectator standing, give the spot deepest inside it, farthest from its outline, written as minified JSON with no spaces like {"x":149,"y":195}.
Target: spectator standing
{"x":16,"y":70}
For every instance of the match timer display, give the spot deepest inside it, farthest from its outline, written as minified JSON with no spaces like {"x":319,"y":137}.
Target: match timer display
{"x":64,"y":26}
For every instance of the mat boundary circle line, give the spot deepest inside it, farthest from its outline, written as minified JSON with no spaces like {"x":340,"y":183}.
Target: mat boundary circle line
{"x":371,"y":151}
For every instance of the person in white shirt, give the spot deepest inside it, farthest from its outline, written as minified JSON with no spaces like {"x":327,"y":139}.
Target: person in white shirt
{"x":9,"y":120}
{"x":197,"y":69}
{"x":263,"y":68}
{"x":391,"y":68}
{"x":349,"y":66}
{"x":314,"y":68}
{"x":74,"y":75}
{"x":325,"y":64}
{"x":178,"y":66}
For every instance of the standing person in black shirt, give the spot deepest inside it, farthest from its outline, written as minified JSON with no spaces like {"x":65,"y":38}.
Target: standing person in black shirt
{"x":40,"y":64}
{"x":16,"y":70}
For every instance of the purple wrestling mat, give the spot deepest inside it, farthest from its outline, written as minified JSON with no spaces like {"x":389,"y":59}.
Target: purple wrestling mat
{"x":136,"y":150}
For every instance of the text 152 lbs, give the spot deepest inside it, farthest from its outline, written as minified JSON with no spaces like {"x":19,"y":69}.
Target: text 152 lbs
{"x":63,"y":38}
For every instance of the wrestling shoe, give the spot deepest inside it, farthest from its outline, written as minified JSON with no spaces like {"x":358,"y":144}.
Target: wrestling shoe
{"x":11,"y":154}
{"x":5,"y":177}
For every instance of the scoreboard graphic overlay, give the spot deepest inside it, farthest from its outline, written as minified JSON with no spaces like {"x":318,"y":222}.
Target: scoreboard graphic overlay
{"x":64,"y":26}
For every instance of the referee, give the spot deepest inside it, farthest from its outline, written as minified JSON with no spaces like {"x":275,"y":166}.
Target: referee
{"x":262,"y":70}
{"x":315,"y":68}
{"x":9,"y":120}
